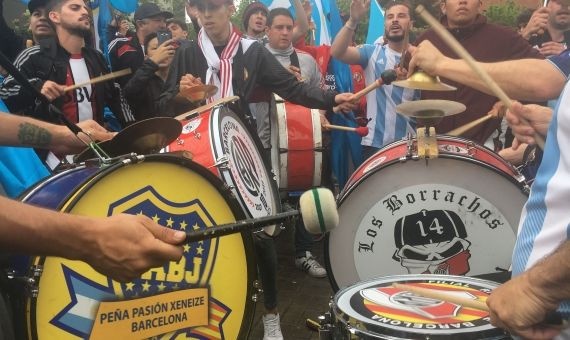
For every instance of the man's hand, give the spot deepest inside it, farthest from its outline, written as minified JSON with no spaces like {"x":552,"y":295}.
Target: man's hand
{"x":324,"y":121}
{"x":519,"y":307}
{"x":345,"y":104}
{"x":52,"y":90}
{"x":535,"y":119}
{"x":164,"y":53}
{"x":425,"y":56}
{"x":126,"y":246}
{"x":123,"y":28}
{"x":551,"y":48}
{"x":515,"y":157}
{"x":537,"y":23}
{"x":188,"y":81}
{"x":401,"y":73}
{"x":296,"y":72}
{"x":358,"y":9}
{"x":66,"y":143}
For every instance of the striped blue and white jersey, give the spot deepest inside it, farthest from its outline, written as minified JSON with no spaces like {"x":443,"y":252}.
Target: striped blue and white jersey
{"x":384,"y":125}
{"x":545,"y":219}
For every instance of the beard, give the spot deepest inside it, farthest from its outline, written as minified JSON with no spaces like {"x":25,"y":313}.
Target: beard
{"x":560,"y":25}
{"x":395,"y":37}
{"x":77,"y":29}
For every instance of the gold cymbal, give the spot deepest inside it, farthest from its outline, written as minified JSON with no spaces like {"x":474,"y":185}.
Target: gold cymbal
{"x":430,"y":108}
{"x":423,"y":81}
{"x":199,"y":92}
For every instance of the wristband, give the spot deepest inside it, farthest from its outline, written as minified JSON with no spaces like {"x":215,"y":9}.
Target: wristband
{"x":352,"y":28}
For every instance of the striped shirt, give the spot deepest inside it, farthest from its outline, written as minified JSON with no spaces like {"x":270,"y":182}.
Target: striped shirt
{"x":384,"y":125}
{"x":545,"y":220}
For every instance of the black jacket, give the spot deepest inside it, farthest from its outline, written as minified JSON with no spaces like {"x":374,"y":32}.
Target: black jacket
{"x":257,"y":66}
{"x":143,"y":90}
{"x":49,"y":61}
{"x":125,"y":53}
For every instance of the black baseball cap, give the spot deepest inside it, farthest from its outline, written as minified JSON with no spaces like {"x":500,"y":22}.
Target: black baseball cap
{"x":149,"y":10}
{"x":35,"y":4}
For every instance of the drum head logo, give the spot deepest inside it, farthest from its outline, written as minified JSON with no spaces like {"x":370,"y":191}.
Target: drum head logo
{"x":191,"y":126}
{"x":192,"y":270}
{"x":391,"y":307}
{"x":432,"y":229}
{"x":247,"y":169}
{"x":432,"y":242}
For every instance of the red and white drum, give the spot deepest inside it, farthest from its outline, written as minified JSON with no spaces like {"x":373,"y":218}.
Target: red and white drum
{"x":218,"y":140}
{"x":376,"y":310}
{"x":297,"y":161}
{"x":456,"y":214}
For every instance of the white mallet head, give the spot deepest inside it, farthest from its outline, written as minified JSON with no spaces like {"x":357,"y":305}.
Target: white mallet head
{"x":318,"y":209}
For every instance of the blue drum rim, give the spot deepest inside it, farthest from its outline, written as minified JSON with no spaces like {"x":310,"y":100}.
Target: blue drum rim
{"x":249,"y":310}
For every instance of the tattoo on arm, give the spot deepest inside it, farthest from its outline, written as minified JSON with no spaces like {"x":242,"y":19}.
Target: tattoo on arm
{"x":33,"y":135}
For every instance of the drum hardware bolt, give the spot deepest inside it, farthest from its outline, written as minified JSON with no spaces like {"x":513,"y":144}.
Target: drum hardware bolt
{"x":471,"y":149}
{"x":222,"y":162}
{"x":254,"y":298}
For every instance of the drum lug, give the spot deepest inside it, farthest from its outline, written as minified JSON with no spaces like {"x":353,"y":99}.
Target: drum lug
{"x":257,"y":290}
{"x":325,"y":327}
{"x":222,"y":162}
{"x":471,"y":149}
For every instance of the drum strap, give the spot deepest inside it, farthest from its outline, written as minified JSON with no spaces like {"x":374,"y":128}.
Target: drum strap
{"x":295,"y":60}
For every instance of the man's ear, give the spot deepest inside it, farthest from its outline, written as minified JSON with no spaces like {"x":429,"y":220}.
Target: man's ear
{"x":442,"y":7}
{"x":54,"y":17}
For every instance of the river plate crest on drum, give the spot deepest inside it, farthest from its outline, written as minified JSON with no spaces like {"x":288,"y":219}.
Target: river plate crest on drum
{"x":432,"y":229}
{"x":247,"y":168}
{"x":71,"y":292}
{"x":377,"y":305}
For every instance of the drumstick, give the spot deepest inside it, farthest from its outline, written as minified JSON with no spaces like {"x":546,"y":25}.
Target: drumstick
{"x":464,"y":128}
{"x":205,"y":108}
{"x":361,"y":130}
{"x":462,"y":52}
{"x":439,"y":295}
{"x":98,"y":79}
{"x":387,"y":77}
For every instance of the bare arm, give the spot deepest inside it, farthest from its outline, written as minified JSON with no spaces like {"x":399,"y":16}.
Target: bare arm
{"x":121,"y":246}
{"x":25,"y":131}
{"x":522,"y":303}
{"x":524,"y":79}
{"x":341,"y":48}
{"x":302,"y":24}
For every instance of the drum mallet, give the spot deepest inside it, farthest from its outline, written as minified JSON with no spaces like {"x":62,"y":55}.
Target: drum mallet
{"x":551,"y":318}
{"x":476,"y":68}
{"x":318,"y":211}
{"x":386,"y":78}
{"x":361,"y":130}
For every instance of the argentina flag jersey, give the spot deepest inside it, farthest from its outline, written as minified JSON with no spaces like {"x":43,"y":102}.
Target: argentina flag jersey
{"x":384,"y":125}
{"x":545,"y":221}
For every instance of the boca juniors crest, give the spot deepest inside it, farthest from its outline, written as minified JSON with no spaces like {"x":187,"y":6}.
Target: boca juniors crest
{"x":165,"y":300}
{"x":379,"y":304}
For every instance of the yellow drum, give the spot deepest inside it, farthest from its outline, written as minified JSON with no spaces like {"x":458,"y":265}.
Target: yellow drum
{"x":208,"y":294}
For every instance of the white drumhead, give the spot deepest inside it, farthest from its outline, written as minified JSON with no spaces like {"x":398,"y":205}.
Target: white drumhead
{"x":242,"y":169}
{"x":446,"y":216}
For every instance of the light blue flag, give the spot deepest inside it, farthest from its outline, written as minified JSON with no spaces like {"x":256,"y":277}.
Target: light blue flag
{"x":344,"y":145}
{"x":376,"y":23}
{"x":125,"y":6}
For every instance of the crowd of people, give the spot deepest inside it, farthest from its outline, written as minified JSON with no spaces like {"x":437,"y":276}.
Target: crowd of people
{"x":270,"y":55}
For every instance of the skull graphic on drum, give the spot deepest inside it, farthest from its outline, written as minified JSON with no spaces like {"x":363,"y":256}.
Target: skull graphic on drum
{"x":432,"y":242}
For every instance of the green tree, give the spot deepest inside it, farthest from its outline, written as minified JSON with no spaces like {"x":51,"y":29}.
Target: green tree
{"x":504,"y":14}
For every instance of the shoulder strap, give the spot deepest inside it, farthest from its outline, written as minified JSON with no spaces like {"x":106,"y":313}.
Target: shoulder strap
{"x":295,"y":60}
